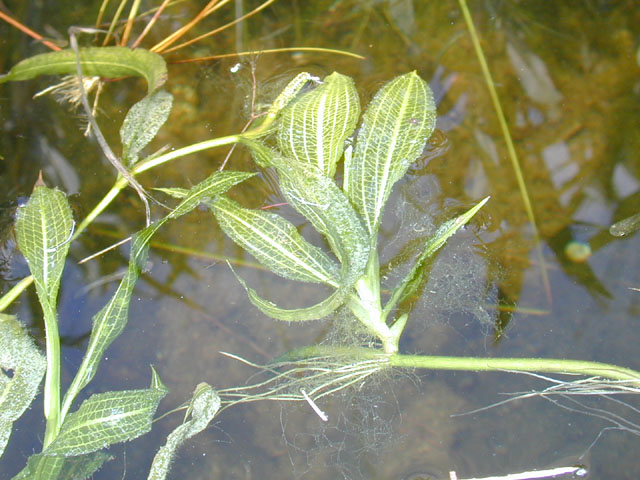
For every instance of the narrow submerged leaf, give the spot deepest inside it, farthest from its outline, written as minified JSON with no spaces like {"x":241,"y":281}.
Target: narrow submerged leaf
{"x":22,"y":367}
{"x":43,"y":230}
{"x":275,"y":243}
{"x":204,"y":406}
{"x":104,"y":419}
{"x":394,"y":131}
{"x":313,"y":128}
{"x":109,"y":62}
{"x":109,"y":322}
{"x":314,"y":312}
{"x":142,"y":123}
{"x":414,"y":278}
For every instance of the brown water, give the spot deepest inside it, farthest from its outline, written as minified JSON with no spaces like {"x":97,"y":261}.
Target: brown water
{"x":568,"y":77}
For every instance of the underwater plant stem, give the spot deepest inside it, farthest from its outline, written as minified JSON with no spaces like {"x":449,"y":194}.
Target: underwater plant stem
{"x":530,"y":365}
{"x":52,"y":379}
{"x":196,"y":147}
{"x":470,"y":364}
{"x":122,"y":182}
{"x":513,"y":156}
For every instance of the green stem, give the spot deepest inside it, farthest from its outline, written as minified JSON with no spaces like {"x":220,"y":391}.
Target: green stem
{"x":530,"y":365}
{"x":470,"y":364}
{"x":52,"y":379}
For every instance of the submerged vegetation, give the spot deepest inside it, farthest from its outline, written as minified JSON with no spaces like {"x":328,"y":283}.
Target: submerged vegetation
{"x":301,"y":139}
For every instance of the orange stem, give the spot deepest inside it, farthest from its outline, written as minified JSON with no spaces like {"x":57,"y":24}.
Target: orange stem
{"x":28,"y":31}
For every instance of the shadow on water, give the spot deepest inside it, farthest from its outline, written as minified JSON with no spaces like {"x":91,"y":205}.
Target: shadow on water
{"x":567,"y":74}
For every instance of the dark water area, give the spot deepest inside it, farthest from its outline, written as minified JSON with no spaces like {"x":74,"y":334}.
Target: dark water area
{"x":568,"y":77}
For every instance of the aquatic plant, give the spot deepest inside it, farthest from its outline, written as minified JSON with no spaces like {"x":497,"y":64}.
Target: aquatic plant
{"x":302,"y":138}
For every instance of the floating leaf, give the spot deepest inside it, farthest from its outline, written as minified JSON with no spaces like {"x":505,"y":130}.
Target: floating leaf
{"x":109,"y":322}
{"x":204,"y":406}
{"x":142,"y":123}
{"x":394,"y":131}
{"x":109,"y":62}
{"x":22,"y":367}
{"x":106,"y":418}
{"x":275,"y":243}
{"x":313,"y":129}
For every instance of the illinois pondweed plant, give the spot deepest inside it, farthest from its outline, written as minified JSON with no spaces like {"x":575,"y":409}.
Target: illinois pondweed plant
{"x":308,"y":130}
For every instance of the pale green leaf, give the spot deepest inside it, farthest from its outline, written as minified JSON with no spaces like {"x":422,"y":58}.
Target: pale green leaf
{"x":414,"y":278}
{"x":109,"y":62}
{"x":142,"y":123}
{"x":43,"y":230}
{"x":22,"y":367}
{"x":205,"y":403}
{"x":286,"y":96}
{"x":83,"y":466}
{"x":394,"y":131}
{"x":41,"y":467}
{"x":261,"y":154}
{"x":106,"y":418}
{"x":175,"y":192}
{"x":109,"y":322}
{"x":314,"y":312}
{"x":275,"y":243}
{"x":313,"y":128}
{"x":319,"y":200}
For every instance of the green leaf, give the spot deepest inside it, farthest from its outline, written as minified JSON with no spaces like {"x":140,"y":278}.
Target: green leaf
{"x":142,"y":123}
{"x":43,"y":229}
{"x":41,"y":467}
{"x":315,"y":312}
{"x":22,"y":367}
{"x":394,"y":131}
{"x":205,"y":403}
{"x":313,"y":128}
{"x":261,"y":154}
{"x":106,"y":418}
{"x":319,"y":200}
{"x":109,"y":62}
{"x":83,"y":466}
{"x":109,"y":322}
{"x":416,"y":275}
{"x":275,"y":243}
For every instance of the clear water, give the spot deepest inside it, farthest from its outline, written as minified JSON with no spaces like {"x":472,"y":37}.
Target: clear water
{"x":567,"y":74}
